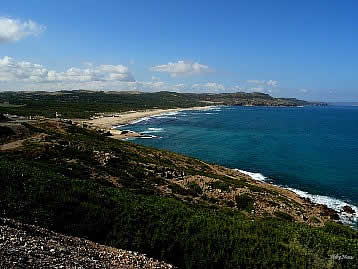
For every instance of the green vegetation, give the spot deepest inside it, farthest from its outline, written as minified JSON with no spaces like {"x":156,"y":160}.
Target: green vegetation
{"x":178,"y":189}
{"x":6,"y":131}
{"x":244,"y":202}
{"x":83,"y":104}
{"x":284,"y":216}
{"x":220,"y":185}
{"x":165,"y":228}
{"x":194,"y":188}
{"x":62,"y":184}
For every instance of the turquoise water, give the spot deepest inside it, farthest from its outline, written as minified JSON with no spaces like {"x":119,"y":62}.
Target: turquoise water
{"x":313,"y":149}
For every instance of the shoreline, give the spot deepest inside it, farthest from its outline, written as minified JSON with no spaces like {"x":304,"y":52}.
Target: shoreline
{"x":331,"y":202}
{"x":109,"y":122}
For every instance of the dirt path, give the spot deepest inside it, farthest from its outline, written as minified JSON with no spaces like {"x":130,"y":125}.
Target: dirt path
{"x":12,"y":145}
{"x":19,"y":143}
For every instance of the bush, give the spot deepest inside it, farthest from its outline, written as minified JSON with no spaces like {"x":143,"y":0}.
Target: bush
{"x":283,"y":215}
{"x":220,"y":185}
{"x":194,"y":188}
{"x":244,"y":202}
{"x":178,"y":189}
{"x":6,"y":131}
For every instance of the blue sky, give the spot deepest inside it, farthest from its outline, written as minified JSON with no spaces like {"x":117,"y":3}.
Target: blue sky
{"x":304,"y":49}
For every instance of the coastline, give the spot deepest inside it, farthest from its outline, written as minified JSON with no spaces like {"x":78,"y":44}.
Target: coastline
{"x":316,"y":199}
{"x":107,"y":122}
{"x":110,"y":121}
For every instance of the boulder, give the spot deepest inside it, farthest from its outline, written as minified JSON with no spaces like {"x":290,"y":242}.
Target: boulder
{"x":3,"y":118}
{"x":331,"y":213}
{"x":348,"y":209}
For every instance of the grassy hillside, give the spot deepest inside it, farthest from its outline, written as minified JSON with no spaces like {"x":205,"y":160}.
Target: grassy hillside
{"x":174,"y":208}
{"x":82,"y":104}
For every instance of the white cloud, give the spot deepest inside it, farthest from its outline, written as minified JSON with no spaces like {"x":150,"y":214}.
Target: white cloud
{"x":270,"y":83}
{"x":180,"y":85}
{"x":238,"y":88}
{"x":181,"y":68}
{"x":208,"y":87}
{"x":14,"y":30}
{"x":303,"y":90}
{"x":256,"y":89}
{"x":23,"y":75}
{"x":255,"y":81}
{"x":273,"y":83}
{"x":88,"y":64}
{"x":12,"y":71}
{"x":116,"y":69}
{"x":28,"y":76}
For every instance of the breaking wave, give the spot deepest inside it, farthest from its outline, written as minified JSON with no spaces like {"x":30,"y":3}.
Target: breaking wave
{"x":153,"y":130}
{"x":331,"y":202}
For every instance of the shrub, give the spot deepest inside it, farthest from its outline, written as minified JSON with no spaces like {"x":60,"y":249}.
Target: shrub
{"x":244,"y":202}
{"x":194,"y":188}
{"x":220,"y":185}
{"x":177,"y":189}
{"x":6,"y":131}
{"x":283,"y":215}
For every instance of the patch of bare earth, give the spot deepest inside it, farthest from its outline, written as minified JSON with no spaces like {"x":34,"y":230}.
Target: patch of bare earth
{"x":19,"y":143}
{"x":12,"y":145}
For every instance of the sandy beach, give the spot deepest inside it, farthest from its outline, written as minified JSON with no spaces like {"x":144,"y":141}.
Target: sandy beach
{"x":107,"y":121}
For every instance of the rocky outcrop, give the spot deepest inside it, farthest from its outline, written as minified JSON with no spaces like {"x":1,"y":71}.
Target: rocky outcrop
{"x":348,"y":209}
{"x":326,"y":211}
{"x":3,"y":118}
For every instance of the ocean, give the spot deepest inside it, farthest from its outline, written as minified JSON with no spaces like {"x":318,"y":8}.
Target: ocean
{"x":310,"y":150}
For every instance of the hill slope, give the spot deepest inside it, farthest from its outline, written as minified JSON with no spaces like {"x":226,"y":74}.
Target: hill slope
{"x":83,"y":104}
{"x":172,"y":207}
{"x":29,"y":246}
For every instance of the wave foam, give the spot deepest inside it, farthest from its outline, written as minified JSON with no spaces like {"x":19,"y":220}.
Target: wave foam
{"x":140,"y":120}
{"x":256,"y":176}
{"x":331,"y":202}
{"x":153,"y":130}
{"x":166,"y":114}
{"x":117,"y":126}
{"x":165,"y":117}
{"x":147,"y":137}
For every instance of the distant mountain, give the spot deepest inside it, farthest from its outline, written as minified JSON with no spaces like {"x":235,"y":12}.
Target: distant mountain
{"x":344,"y":103}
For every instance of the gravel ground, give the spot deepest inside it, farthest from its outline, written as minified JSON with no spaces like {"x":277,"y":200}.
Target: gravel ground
{"x":28,"y":246}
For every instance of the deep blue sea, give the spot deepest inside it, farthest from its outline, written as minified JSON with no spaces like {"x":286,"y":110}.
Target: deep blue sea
{"x":313,"y":150}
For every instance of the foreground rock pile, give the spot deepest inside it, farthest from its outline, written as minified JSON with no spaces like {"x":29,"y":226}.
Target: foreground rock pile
{"x":28,"y":246}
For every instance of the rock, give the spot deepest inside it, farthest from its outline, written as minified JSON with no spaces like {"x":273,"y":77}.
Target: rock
{"x":62,"y":251}
{"x":108,"y":133}
{"x":3,"y":118}
{"x":331,"y":213}
{"x":348,"y":209}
